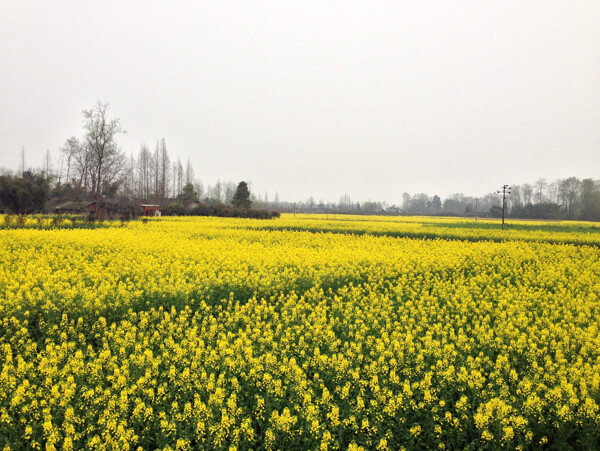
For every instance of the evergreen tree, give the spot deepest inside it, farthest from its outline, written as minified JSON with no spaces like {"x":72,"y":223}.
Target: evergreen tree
{"x":241,"y":198}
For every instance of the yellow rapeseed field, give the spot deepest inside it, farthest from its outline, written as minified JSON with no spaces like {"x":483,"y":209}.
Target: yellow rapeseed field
{"x":308,"y":332}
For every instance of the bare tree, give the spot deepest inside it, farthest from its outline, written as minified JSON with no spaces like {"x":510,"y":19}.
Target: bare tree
{"x":569,"y":193}
{"x":229,"y":189}
{"x":48,"y":163}
{"x":156,"y":171}
{"x":189,"y":173}
{"x":514,"y":200}
{"x":144,"y":171}
{"x":22,"y":160}
{"x":174,"y":179}
{"x":179,"y":176}
{"x":526,"y":193}
{"x":164,"y":171}
{"x":540,"y":184}
{"x":590,"y":199}
{"x":60,"y":168}
{"x":83,"y":168}
{"x":217,"y":192}
{"x":199,"y":188}
{"x":552,"y":190}
{"x":70,"y":150}
{"x":100,"y":135}
{"x":129,"y":184}
{"x":345,"y":202}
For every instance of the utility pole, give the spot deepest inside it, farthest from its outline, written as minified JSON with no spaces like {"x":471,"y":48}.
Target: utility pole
{"x":505,"y":191}
{"x":476,"y":208}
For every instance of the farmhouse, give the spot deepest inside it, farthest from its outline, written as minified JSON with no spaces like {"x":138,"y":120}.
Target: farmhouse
{"x":150,"y":210}
{"x":112,"y":209}
{"x":72,"y":207}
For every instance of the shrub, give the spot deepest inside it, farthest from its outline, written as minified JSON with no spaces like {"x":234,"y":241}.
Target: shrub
{"x":177,"y":209}
{"x":225,"y":211}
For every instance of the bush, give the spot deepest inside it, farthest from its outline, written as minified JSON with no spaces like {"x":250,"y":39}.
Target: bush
{"x":200,"y":210}
{"x":261,"y":214}
{"x":27,"y":193}
{"x":177,"y":209}
{"x":496,"y":212}
{"x":225,"y":211}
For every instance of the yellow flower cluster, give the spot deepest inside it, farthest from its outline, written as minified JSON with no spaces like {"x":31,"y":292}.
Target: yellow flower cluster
{"x":566,"y":232}
{"x":195,"y":333}
{"x":54,"y":221}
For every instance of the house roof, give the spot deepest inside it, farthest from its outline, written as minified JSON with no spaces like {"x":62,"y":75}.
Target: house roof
{"x":70,"y":206}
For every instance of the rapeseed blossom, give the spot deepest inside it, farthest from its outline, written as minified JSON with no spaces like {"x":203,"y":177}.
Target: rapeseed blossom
{"x":191,"y":333}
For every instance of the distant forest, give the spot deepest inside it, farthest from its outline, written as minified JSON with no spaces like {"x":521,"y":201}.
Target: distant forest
{"x":569,"y":198}
{"x":152,"y":178}
{"x":93,"y":167}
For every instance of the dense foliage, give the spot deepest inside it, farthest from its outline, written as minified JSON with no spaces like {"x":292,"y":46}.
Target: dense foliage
{"x":24,"y":194}
{"x":225,"y":211}
{"x":176,"y":209}
{"x":179,"y":333}
{"x":241,"y":198}
{"x":569,"y":198}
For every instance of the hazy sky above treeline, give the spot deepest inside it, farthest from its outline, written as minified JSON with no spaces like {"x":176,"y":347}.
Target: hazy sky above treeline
{"x":316,"y":98}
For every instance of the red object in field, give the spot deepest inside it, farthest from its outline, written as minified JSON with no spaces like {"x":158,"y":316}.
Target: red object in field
{"x":151,"y":210}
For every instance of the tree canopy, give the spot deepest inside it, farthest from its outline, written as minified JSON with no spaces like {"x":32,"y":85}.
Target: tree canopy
{"x":107,"y":160}
{"x":241,"y":198}
{"x":25,"y":194}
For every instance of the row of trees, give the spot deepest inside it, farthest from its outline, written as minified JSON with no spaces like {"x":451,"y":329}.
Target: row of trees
{"x":454,"y":205}
{"x":240,"y":207}
{"x":93,"y":166}
{"x":569,"y":198}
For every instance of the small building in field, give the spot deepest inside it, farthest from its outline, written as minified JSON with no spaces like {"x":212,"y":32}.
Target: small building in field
{"x":111,"y":209}
{"x":74,"y":208}
{"x":98,"y":210}
{"x":150,"y":210}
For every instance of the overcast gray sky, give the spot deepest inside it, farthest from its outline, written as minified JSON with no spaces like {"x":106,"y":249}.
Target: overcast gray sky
{"x":316,"y":98}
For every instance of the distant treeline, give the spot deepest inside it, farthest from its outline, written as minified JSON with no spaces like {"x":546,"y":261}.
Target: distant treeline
{"x":93,"y":167}
{"x":29,"y":193}
{"x":569,"y":198}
